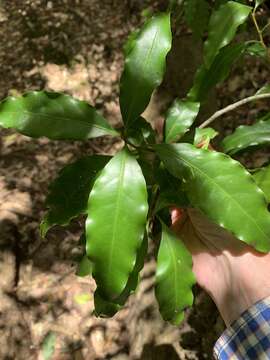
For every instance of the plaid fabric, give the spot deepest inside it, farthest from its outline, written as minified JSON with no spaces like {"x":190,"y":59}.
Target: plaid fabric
{"x":248,"y":337}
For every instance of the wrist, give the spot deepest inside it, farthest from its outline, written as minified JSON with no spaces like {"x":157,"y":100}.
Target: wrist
{"x":247,"y":283}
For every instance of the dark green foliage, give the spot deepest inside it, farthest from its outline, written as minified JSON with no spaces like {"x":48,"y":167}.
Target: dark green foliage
{"x":212,"y":179}
{"x":68,"y":194}
{"x":246,"y":136}
{"x":111,"y":233}
{"x":126,"y":196}
{"x":206,"y":79}
{"x":56,"y":116}
{"x":223,"y":25}
{"x":174,"y":277}
{"x":144,"y":66}
{"x":180,"y":117}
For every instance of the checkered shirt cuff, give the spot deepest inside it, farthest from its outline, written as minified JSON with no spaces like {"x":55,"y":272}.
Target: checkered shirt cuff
{"x":248,"y":337}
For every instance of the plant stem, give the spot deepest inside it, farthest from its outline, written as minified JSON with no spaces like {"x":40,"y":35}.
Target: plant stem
{"x":232,"y":107}
{"x":253,"y":15}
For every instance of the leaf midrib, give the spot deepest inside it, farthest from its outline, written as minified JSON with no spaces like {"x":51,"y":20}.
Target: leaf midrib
{"x":184,"y":128}
{"x":61,"y":119}
{"x":224,"y":191}
{"x":229,"y":17}
{"x":176,"y":123}
{"x":250,"y":132}
{"x":117,"y":210}
{"x":145,"y":65}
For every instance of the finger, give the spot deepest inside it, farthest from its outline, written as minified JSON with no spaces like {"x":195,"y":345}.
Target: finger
{"x":177,"y":216}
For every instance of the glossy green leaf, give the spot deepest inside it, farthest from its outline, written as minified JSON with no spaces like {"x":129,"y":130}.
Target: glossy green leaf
{"x":134,"y":275}
{"x":247,"y":135}
{"x":69,"y":192}
{"x":180,"y":117}
{"x":131,"y":42}
{"x":222,"y":189}
{"x":174,"y":277}
{"x":223,"y":25}
{"x":147,"y":163}
{"x":104,"y":308}
{"x":141,"y":132}
{"x":144,"y":66}
{"x":170,"y":190}
{"x":206,"y":79}
{"x":197,"y":16}
{"x":84,"y":267}
{"x":262,"y":178}
{"x":117,"y":211}
{"x":204,"y":136}
{"x":56,"y":116}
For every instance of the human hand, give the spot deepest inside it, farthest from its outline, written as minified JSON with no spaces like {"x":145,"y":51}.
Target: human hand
{"x":234,"y":274}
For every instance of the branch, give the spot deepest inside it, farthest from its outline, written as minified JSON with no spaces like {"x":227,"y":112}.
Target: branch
{"x":253,"y":15}
{"x":233,"y":107}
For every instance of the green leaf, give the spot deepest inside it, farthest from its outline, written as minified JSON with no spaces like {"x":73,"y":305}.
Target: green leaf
{"x":144,"y":66}
{"x":131,"y":42}
{"x":204,"y":136}
{"x":256,"y":49}
{"x":56,"y":116}
{"x":69,"y":192}
{"x":206,"y":79}
{"x":180,"y":117}
{"x":171,"y":193}
{"x":262,"y":178}
{"x":104,"y":308}
{"x":48,"y":346}
{"x":141,"y":132}
{"x":223,"y":25}
{"x":117,"y":211}
{"x":84,"y":267}
{"x":222,"y":189}
{"x":197,"y":16}
{"x":247,"y":135}
{"x":134,"y":275}
{"x":174,"y":277}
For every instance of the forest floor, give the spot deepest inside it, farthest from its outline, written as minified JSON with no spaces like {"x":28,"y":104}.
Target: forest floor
{"x":75,"y":46}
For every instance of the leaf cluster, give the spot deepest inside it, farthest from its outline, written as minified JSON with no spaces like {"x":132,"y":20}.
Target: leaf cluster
{"x":123,"y":196}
